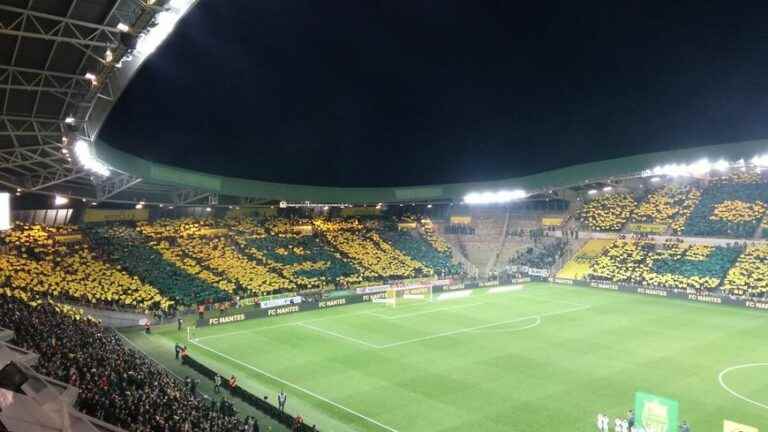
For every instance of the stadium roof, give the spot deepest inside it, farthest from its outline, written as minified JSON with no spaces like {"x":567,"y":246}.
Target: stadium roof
{"x":63,"y":64}
{"x":569,"y":177}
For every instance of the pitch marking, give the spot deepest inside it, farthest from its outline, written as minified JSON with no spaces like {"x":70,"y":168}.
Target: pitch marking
{"x":738,"y":395}
{"x":484,"y":326}
{"x":392,"y":317}
{"x":338,"y":335}
{"x":537,"y":321}
{"x":301,"y":389}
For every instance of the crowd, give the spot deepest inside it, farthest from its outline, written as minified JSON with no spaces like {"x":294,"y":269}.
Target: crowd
{"x":37,"y":259}
{"x":542,"y":256}
{"x":299,"y":255}
{"x":132,"y":251}
{"x":412,"y":244}
{"x":731,"y":206}
{"x":749,"y":276}
{"x":117,"y":384}
{"x":671,"y":265}
{"x":669,"y":205}
{"x":607,"y":212}
{"x":364,"y":246}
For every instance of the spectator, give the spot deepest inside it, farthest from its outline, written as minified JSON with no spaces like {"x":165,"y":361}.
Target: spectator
{"x":281,"y":398}
{"x":117,"y":384}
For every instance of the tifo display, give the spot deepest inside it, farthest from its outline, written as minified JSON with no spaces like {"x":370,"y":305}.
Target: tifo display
{"x":435,"y":311}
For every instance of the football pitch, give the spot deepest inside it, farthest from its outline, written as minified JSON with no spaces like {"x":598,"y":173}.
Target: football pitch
{"x":539,"y":357}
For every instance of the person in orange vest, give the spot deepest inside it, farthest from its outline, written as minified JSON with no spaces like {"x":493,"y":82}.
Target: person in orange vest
{"x":232,"y":383}
{"x":183,"y":354}
{"x":297,"y":422}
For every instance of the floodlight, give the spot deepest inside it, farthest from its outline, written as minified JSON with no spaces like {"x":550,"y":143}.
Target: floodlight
{"x":207,"y":209}
{"x":69,"y":120}
{"x":88,"y":160}
{"x":5,"y":211}
{"x":60,"y":200}
{"x":607,"y":189}
{"x":721,"y":165}
{"x":165,"y":21}
{"x":498,"y":197}
{"x":139,"y":206}
{"x":429,"y":205}
{"x":592,"y":191}
{"x":123,"y":27}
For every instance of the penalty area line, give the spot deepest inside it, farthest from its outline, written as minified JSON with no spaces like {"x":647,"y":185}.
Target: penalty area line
{"x":484,"y":326}
{"x":299,"y":388}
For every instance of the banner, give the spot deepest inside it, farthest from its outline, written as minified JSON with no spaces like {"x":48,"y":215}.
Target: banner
{"x":266,"y":304}
{"x":360,"y":211}
{"x":461,"y":220}
{"x":71,"y":238}
{"x":237,"y":315}
{"x":647,"y":228}
{"x":213,"y":232}
{"x":303,"y":230}
{"x":252,"y":211}
{"x":101,"y":215}
{"x":406,"y":226}
{"x":551,"y":221}
{"x":729,"y":426}
{"x":709,"y":298}
{"x":655,"y":413}
{"x":372,"y":289}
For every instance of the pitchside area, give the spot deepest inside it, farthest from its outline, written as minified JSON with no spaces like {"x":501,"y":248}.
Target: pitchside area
{"x":540,"y":357}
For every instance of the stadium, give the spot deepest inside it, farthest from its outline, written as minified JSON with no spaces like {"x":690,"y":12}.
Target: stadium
{"x":143,"y":296}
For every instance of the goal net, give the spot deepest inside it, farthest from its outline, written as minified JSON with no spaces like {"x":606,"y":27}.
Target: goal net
{"x":397,"y":296}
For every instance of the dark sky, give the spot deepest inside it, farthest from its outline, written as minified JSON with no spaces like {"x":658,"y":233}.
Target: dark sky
{"x":367,"y":93}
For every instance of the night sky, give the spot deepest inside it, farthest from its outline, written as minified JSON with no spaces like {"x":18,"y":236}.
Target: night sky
{"x":377,"y":93}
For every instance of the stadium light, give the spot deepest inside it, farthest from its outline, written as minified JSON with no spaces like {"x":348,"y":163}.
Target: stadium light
{"x":207,"y":209}
{"x":760,"y":160}
{"x":499,"y":197}
{"x":88,"y":160}
{"x":60,"y":200}
{"x":123,"y":27}
{"x":139,"y":206}
{"x":592,"y":191}
{"x":69,"y":120}
{"x":429,"y":205}
{"x":721,"y":165}
{"x":607,"y":189}
{"x":5,"y":211}
{"x":165,"y":21}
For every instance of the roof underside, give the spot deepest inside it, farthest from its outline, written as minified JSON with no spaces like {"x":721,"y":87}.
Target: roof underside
{"x":570,"y":177}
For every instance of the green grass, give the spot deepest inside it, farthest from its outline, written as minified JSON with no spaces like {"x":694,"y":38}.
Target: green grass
{"x":546,"y":358}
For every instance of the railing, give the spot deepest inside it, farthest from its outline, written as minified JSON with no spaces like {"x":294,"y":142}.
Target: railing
{"x":256,"y":402}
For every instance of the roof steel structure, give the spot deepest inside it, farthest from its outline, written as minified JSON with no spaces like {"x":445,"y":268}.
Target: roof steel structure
{"x":64,"y":63}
